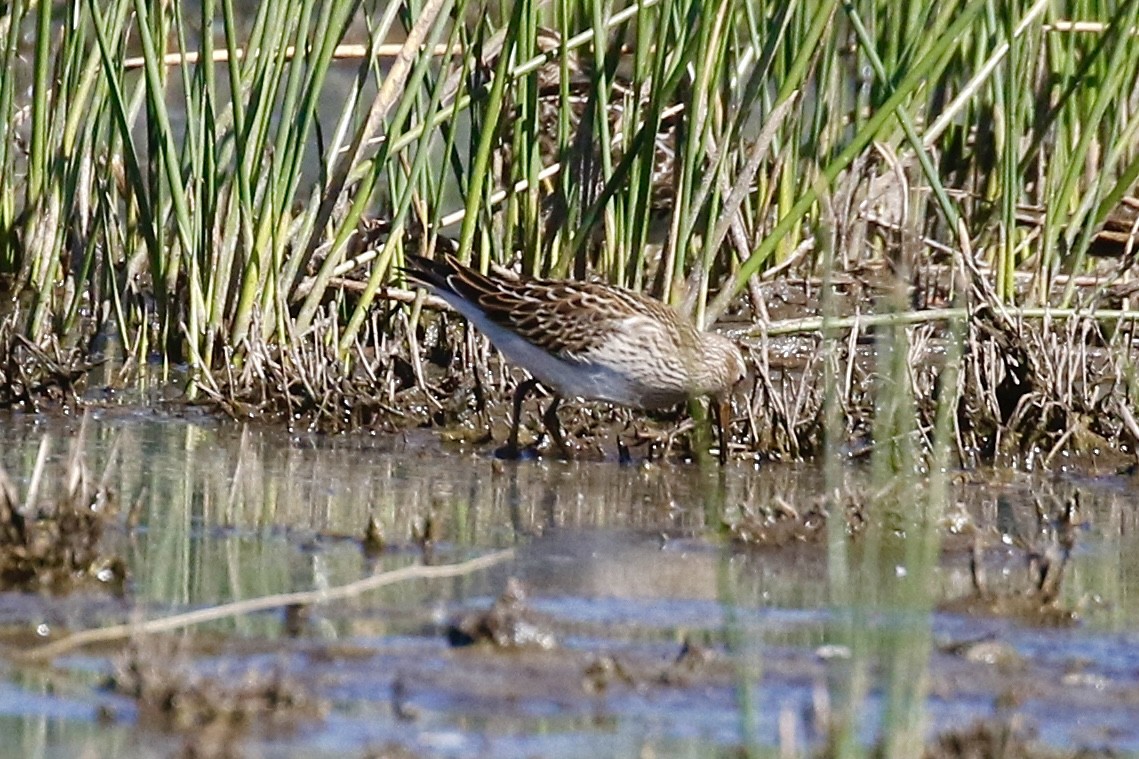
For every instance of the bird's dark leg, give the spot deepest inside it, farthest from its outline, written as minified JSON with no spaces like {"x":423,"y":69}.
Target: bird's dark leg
{"x":510,"y":450}
{"x":550,"y":419}
{"x":724,"y":427}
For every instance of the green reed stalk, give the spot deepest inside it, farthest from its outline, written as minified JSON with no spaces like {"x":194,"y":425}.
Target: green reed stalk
{"x":1007,"y":92}
{"x":387,"y":98}
{"x":603,"y":74}
{"x":329,"y":30}
{"x":1098,"y":129}
{"x":305,"y":77}
{"x":409,"y":193}
{"x":933,"y":60}
{"x":209,"y":222}
{"x":170,"y":178}
{"x":638,"y":215}
{"x":45,"y":176}
{"x":478,"y":185}
{"x":1084,"y":120}
{"x":9,"y":58}
{"x":238,"y":236}
{"x":41,"y":104}
{"x":700,"y":192}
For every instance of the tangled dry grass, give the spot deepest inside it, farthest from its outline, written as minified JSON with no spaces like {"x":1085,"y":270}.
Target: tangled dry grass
{"x":32,"y":374}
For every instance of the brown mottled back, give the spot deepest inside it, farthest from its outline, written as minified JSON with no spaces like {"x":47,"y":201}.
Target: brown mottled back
{"x":565,"y":318}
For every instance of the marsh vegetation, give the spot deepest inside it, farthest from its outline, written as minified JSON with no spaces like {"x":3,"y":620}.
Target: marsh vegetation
{"x":916,"y":219}
{"x":226,"y":196}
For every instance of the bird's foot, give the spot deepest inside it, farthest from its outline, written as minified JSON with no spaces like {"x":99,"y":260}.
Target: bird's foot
{"x":509,"y":452}
{"x":624,"y":457}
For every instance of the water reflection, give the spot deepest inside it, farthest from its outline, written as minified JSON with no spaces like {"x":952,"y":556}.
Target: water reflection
{"x":629,"y":560}
{"x":227,"y":511}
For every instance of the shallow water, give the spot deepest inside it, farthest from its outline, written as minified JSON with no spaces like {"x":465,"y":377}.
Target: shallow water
{"x":621,"y":564}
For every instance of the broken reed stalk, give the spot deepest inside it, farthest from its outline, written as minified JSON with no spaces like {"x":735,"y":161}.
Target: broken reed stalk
{"x":251,"y":605}
{"x":339,"y":53}
{"x":907,"y":318}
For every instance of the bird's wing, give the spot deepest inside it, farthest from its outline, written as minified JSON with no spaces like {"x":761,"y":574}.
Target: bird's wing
{"x":567,"y":319}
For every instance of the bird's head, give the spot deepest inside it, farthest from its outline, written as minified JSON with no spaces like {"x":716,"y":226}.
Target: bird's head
{"x":726,"y":370}
{"x":725,"y":364}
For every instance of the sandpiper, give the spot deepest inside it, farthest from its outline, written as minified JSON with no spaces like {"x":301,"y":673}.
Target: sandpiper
{"x":588,"y":340}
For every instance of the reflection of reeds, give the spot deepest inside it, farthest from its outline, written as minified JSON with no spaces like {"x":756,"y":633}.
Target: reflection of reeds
{"x":225,"y":515}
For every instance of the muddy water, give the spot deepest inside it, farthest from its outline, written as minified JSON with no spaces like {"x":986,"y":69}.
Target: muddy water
{"x":669,"y":639}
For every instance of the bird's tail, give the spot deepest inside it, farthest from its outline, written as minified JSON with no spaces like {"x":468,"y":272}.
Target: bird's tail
{"x":425,"y":271}
{"x":449,"y":277}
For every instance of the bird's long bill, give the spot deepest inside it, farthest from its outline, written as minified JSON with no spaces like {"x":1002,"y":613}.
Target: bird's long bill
{"x":724,"y":422}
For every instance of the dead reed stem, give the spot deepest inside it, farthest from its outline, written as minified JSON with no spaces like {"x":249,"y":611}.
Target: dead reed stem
{"x":251,"y":605}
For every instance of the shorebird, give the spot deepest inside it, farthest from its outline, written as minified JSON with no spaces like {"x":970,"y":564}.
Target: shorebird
{"x":588,"y":340}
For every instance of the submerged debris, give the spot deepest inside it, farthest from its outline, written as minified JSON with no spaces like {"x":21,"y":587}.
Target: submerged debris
{"x":1036,"y":597}
{"x":776,"y":525}
{"x":1007,"y":739}
{"x":211,"y":712}
{"x":1004,"y":737}
{"x":425,"y":534}
{"x":604,"y":671}
{"x":374,"y":542}
{"x":59,"y":549}
{"x":781,"y":524}
{"x":692,"y":659}
{"x":508,"y":624}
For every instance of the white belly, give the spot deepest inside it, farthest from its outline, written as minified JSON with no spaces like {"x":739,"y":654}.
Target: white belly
{"x":595,"y":381}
